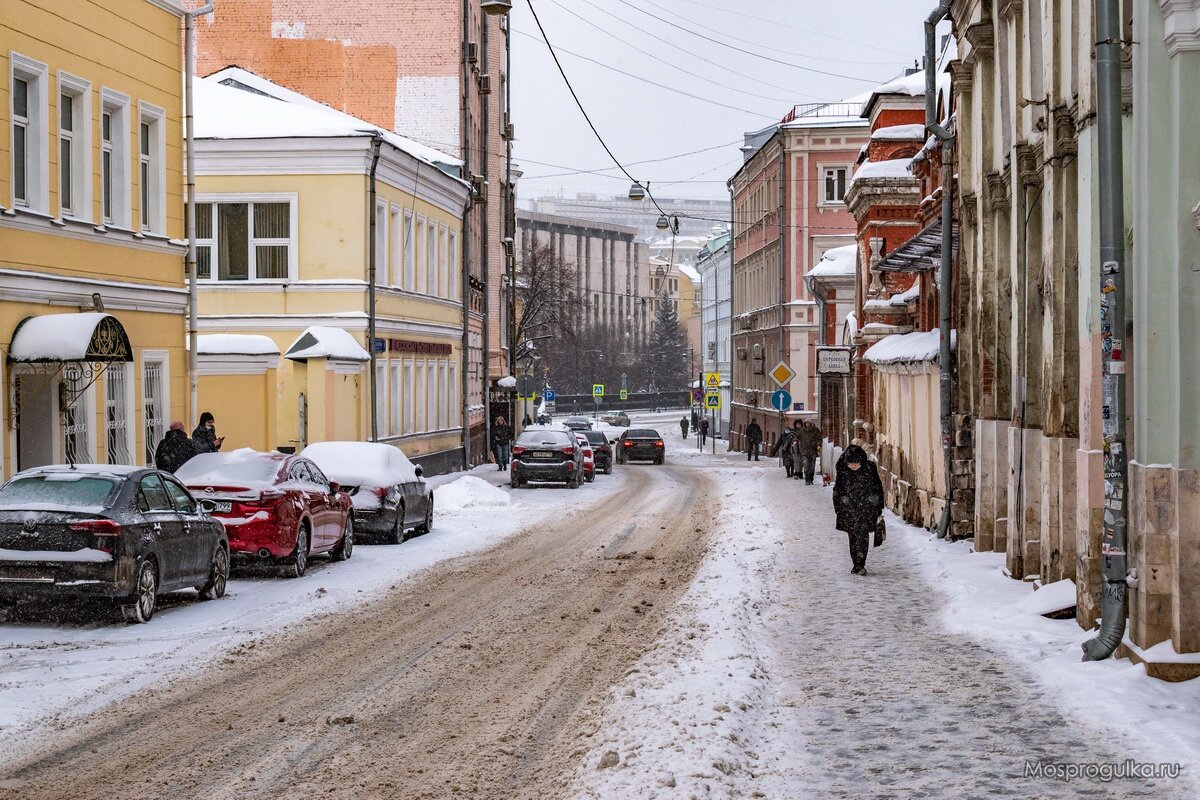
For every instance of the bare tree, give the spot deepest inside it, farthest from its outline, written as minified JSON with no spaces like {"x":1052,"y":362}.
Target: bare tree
{"x":545,"y":298}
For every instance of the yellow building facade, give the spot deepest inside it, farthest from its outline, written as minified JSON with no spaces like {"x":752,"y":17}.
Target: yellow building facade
{"x":92,"y":293}
{"x":284,"y":231}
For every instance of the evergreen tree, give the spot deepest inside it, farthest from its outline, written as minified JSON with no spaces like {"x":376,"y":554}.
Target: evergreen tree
{"x":666,"y":351}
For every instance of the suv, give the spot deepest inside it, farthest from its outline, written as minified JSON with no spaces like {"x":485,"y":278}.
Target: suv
{"x":545,"y":454}
{"x":577,"y":423}
{"x":640,"y":444}
{"x":601,"y":449}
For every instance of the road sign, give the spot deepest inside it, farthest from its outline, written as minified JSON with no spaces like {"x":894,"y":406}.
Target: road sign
{"x":833,"y":360}
{"x":624,"y":394}
{"x":549,"y":396}
{"x":597,"y":390}
{"x":782,"y":373}
{"x":697,"y":395}
{"x":781,"y":400}
{"x":712,"y":400}
{"x":526,"y":387}
{"x":712,"y":380}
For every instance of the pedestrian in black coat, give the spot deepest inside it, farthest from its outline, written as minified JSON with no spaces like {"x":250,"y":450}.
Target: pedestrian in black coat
{"x":785,"y":447}
{"x":205,"y":436}
{"x":175,"y":450}
{"x":753,"y":439}
{"x":858,"y":501}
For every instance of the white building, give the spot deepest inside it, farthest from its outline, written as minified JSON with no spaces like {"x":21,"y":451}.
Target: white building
{"x":714,"y":265}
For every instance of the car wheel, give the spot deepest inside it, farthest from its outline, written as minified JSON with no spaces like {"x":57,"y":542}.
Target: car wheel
{"x":298,"y":562}
{"x":397,"y":535}
{"x":345,"y":547}
{"x":513,"y":483}
{"x":591,"y":477}
{"x":427,"y":525}
{"x":218,"y":576}
{"x":573,"y":482}
{"x":145,"y":594}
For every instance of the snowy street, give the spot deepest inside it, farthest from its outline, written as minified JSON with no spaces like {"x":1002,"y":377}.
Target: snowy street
{"x":690,"y":630}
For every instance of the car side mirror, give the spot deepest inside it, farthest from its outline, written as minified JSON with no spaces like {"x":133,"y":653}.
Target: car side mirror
{"x":207,"y":506}
{"x":334,"y":486}
{"x":419,"y":471}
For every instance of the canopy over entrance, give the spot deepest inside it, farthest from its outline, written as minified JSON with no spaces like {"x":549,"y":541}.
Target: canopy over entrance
{"x":921,"y":253}
{"x":54,"y":338}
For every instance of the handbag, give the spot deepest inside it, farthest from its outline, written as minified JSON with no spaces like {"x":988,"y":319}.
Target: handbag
{"x":880,"y":532}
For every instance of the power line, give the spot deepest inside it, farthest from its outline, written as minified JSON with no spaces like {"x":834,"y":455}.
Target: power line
{"x":601,"y":170}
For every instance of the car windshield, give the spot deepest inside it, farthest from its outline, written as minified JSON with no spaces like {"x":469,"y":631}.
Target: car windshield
{"x":54,"y":489}
{"x":238,"y":468}
{"x":544,"y":438}
{"x":641,"y":434}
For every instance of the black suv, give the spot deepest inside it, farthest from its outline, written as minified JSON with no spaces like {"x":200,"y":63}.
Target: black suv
{"x":640,"y":444}
{"x":602,"y":450}
{"x":546,"y":455}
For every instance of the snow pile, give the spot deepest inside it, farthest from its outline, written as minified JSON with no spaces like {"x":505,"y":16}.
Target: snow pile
{"x":470,"y":492}
{"x":507,"y":382}
{"x":241,"y":344}
{"x":837,"y":261}
{"x":321,"y":341}
{"x":892,"y":168}
{"x":1057,"y":596}
{"x":911,"y":293}
{"x":54,"y":337}
{"x":907,"y":347}
{"x":894,"y":133}
{"x":912,"y":85}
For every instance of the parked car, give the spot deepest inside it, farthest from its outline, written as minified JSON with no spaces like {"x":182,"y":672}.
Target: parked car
{"x":577,"y":423}
{"x":546,"y":455}
{"x":99,"y":531}
{"x":617,"y":418}
{"x":276,"y":508}
{"x":601,"y":449}
{"x":387,"y":491}
{"x":641,"y":444}
{"x":589,"y":457}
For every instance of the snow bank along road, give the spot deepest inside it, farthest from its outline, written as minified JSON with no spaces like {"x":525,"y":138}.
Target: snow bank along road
{"x":465,"y":681}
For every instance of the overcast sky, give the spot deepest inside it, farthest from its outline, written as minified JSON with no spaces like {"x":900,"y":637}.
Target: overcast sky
{"x":861,"y":42}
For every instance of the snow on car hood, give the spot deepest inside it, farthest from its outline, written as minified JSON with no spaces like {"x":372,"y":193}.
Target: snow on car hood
{"x":361,"y":463}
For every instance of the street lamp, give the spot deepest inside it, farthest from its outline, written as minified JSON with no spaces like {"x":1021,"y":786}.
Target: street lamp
{"x":637,"y":192}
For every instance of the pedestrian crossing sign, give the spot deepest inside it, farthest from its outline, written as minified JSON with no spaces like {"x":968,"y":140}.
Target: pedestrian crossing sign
{"x":597,"y":390}
{"x":712,"y":400}
{"x":712,"y":380}
{"x":624,"y":394}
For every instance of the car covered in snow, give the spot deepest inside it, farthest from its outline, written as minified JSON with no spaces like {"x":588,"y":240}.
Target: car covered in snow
{"x":547,"y":455}
{"x":120,"y":533}
{"x":641,"y":444}
{"x":388,"y":492}
{"x":276,"y":507}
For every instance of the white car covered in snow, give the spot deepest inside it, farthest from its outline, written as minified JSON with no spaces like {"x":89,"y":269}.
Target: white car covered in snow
{"x":389,"y":494}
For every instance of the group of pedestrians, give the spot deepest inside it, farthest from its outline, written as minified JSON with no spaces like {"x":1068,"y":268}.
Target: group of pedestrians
{"x":177,"y":448}
{"x":799,"y":446}
{"x":700,"y":424}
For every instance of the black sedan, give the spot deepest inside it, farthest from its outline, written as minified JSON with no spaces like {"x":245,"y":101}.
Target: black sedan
{"x":546,"y":455}
{"x":641,"y":444}
{"x":120,"y":533}
{"x":577,"y":424}
{"x":601,"y":449}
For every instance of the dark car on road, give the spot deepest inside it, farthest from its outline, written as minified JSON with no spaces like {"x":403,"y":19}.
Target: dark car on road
{"x":546,"y":455}
{"x":602,"y":450}
{"x":617,"y":418}
{"x":388,"y":493}
{"x":640,"y":444}
{"x":123,"y":534}
{"x":577,"y":423}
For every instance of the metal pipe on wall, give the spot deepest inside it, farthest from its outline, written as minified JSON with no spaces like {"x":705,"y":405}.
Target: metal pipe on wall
{"x":372,"y":255}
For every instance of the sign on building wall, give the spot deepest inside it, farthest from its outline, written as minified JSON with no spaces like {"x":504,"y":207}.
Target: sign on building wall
{"x":833,"y":360}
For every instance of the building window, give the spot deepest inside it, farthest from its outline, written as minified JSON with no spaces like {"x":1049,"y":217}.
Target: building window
{"x":154,"y":404}
{"x":396,"y":266}
{"x":431,"y":258}
{"x":114,"y":159}
{"x":74,"y":146}
{"x":444,"y":394}
{"x":431,"y":396}
{"x":454,"y":264}
{"x":381,"y":243}
{"x":835,"y":184}
{"x":410,"y":255}
{"x":151,"y":144}
{"x":394,"y":407}
{"x":116,"y":414}
{"x":249,"y":241}
{"x":410,"y":398}
{"x":30,"y":137}
{"x":452,"y":395}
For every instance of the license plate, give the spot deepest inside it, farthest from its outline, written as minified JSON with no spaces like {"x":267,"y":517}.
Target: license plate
{"x":543,"y":455}
{"x":222,"y":506}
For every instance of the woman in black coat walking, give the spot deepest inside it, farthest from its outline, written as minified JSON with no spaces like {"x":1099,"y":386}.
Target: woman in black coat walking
{"x":858,"y":501}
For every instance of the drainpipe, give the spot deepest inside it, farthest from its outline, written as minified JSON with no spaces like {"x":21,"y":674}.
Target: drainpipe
{"x":782,"y":263}
{"x":945,"y":278}
{"x":376,"y":140}
{"x":464,"y":123}
{"x":1112,"y":307}
{"x":189,"y":46}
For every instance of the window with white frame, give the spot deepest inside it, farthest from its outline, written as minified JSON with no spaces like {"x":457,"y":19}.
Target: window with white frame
{"x":154,"y":404}
{"x":381,"y":243}
{"x":395,"y":407}
{"x":431,"y":259}
{"x":152,"y":180}
{"x":114,"y":159}
{"x":834,"y":180}
{"x":396,"y":267}
{"x":410,"y":253}
{"x":74,"y":147}
{"x":381,"y":395}
{"x":117,"y":427}
{"x":29,"y":149}
{"x":422,"y":252}
{"x":444,"y":263}
{"x":443,"y":409}
{"x":250,"y":240}
{"x":430,"y":395}
{"x":455,"y":264}
{"x":410,"y":398}
{"x":452,"y":395}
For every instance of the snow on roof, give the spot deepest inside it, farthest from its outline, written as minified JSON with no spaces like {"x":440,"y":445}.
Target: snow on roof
{"x":691,"y":273}
{"x":892,"y":168}
{"x":911,"y":85}
{"x":907,"y":347}
{"x":55,"y":337}
{"x":240,"y":344}
{"x":104,"y":470}
{"x":899,"y":132}
{"x":911,"y":293}
{"x":851,"y":324}
{"x":320,"y":341}
{"x":256,"y":108}
{"x":361,"y":463}
{"x":837,"y":261}
{"x":507,"y":382}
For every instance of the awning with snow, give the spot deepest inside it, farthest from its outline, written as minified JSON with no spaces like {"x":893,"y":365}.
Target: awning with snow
{"x":921,"y":253}
{"x":86,"y":336}
{"x":320,"y":341}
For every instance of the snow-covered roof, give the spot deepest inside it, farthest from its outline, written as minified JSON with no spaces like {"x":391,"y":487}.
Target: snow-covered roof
{"x":837,"y":261}
{"x":239,"y":344}
{"x":65,"y":337}
{"x":907,"y":347}
{"x":234,"y":103}
{"x":892,"y":168}
{"x":899,"y":132}
{"x":691,"y":273}
{"x":320,"y":341}
{"x":911,"y":293}
{"x":911,"y":85}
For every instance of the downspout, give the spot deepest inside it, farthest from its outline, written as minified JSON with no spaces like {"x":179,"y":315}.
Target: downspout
{"x":782,"y":264}
{"x":732,"y":349}
{"x":376,"y":140}
{"x":945,"y":278}
{"x":189,"y":46}
{"x":465,"y":378}
{"x":1112,"y":271}
{"x":484,"y":239}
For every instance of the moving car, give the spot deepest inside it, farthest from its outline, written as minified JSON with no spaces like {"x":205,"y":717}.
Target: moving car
{"x":601,"y":449}
{"x":589,"y":458}
{"x":577,"y":424}
{"x":641,"y":444}
{"x":100,"y":531}
{"x":388,"y":493}
{"x":546,"y":454}
{"x":617,"y":418}
{"x":276,"y":507}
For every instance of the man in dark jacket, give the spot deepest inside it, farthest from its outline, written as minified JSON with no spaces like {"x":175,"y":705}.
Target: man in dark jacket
{"x":205,"y":436}
{"x":175,"y":450}
{"x":683,"y":426}
{"x":808,"y":447}
{"x":703,"y":431}
{"x":501,"y":442}
{"x":858,"y":501}
{"x":753,"y":439}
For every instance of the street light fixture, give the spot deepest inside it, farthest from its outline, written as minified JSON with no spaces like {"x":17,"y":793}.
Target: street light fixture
{"x":663,"y":223}
{"x":637,"y":192}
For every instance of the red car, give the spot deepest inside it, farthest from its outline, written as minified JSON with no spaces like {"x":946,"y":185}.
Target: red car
{"x":275,"y":507}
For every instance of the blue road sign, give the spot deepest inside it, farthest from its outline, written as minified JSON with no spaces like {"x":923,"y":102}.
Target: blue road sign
{"x":781,"y":400}
{"x":549,"y":395}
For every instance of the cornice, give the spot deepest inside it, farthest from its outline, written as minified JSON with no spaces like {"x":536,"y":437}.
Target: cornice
{"x":1011,"y":9}
{"x":962,"y":76}
{"x":997,"y":188}
{"x":982,"y":36}
{"x":1181,"y":25}
{"x":47,"y":289}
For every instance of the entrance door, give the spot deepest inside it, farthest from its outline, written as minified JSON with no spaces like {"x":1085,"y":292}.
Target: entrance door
{"x":35,"y":419}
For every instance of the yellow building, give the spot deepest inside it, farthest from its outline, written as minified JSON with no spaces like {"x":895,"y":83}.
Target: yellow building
{"x":92,"y":297}
{"x":284,"y":219}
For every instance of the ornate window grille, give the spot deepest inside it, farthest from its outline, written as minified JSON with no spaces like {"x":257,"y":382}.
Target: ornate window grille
{"x":152,"y":404}
{"x":116,"y":414}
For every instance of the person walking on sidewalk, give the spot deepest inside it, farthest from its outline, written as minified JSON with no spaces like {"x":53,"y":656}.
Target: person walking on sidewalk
{"x":683,"y":426}
{"x":784,"y":446}
{"x":808,"y":447}
{"x":703,"y":431}
{"x":858,"y":502}
{"x":753,"y":439}
{"x":501,"y":442}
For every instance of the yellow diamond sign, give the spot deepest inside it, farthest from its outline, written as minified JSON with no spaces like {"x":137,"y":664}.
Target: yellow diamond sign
{"x":782,"y":374}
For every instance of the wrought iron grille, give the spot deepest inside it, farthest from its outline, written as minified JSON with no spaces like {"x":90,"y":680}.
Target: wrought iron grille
{"x":152,"y":406}
{"x":116,"y":414}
